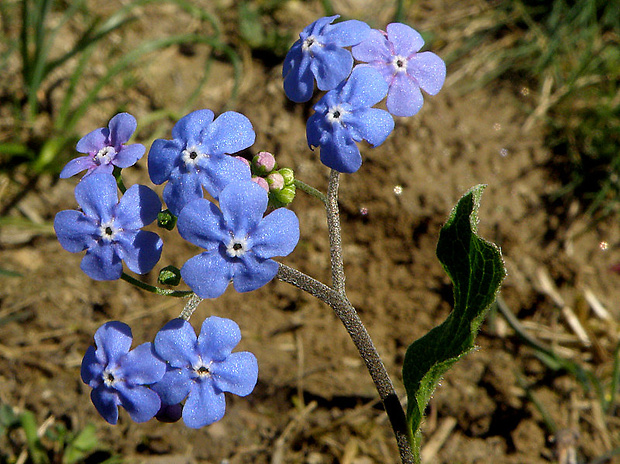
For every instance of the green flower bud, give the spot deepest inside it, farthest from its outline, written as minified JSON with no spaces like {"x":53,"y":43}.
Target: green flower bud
{"x":283,"y":197}
{"x":166,"y":220}
{"x":288,"y":174}
{"x":169,"y":275}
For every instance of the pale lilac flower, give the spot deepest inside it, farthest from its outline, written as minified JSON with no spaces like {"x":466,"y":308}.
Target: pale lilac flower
{"x":119,"y":377}
{"x":105,"y":148}
{"x":201,"y":369}
{"x":395,"y":54}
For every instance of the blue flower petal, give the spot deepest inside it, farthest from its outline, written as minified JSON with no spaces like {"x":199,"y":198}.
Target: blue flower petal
{"x":237,"y":375}
{"x":340,"y":151}
{"x":97,"y":195}
{"x":101,"y":262}
{"x":221,"y":170}
{"x":276,"y":235}
{"x":181,"y":190}
{"x":128,"y":155}
{"x":251,"y":273}
{"x":122,"y":126}
{"x":428,"y":70}
{"x":298,"y":77}
{"x":218,"y":337}
{"x":207,"y":274}
{"x":138,"y":207}
{"x":77,"y":165}
{"x":106,"y":401}
{"x":348,"y":33}
{"x":365,"y":87}
{"x":406,"y":40}
{"x":243,"y":205}
{"x":404,"y":97}
{"x":331,"y":66}
{"x":317,"y":28}
{"x":91,"y":369}
{"x":141,"y":366}
{"x":372,"y":125}
{"x":229,"y":133}
{"x":93,"y":141}
{"x":141,"y":250}
{"x":75,"y":231}
{"x":204,"y":405}
{"x":113,"y":340}
{"x":202,"y":223}
{"x":174,"y":386}
{"x":192,"y":127}
{"x":163,"y":157}
{"x":175,"y":343}
{"x":141,"y":403}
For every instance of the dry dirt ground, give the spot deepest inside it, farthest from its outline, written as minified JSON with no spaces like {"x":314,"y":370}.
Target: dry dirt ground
{"x":314,"y":402}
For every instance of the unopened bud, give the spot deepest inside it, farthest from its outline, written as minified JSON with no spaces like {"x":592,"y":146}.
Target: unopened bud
{"x":166,"y":220}
{"x":288,"y":174}
{"x":262,"y":182}
{"x":275,"y":181}
{"x":169,"y":275}
{"x":264,"y":162}
{"x":282,"y":197}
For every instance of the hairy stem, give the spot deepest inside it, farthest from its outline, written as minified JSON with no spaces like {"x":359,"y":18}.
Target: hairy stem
{"x":333,"y":226}
{"x":358,"y":333}
{"x":310,"y":190}
{"x":190,"y":307}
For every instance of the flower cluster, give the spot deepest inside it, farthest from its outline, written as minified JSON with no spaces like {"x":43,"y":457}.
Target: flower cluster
{"x":242,"y":230}
{"x":177,"y":367}
{"x":390,"y":65}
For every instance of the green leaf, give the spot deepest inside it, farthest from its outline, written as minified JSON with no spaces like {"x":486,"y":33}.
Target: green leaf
{"x":85,"y":442}
{"x":476,"y":269}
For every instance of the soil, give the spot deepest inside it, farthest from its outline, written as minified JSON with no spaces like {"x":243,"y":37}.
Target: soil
{"x":314,"y":402}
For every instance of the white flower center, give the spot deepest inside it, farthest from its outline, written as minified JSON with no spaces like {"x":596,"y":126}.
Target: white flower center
{"x":104,"y":156}
{"x":191,"y":156}
{"x":309,"y":43}
{"x":400,"y":63}
{"x":108,"y":230}
{"x":335,"y":114}
{"x":109,"y":378}
{"x":202,"y":370}
{"x":237,"y":247}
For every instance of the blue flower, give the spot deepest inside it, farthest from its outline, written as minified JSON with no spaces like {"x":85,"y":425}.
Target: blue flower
{"x":344,"y":116}
{"x":319,"y":54}
{"x":118,"y":376}
{"x":109,"y":230}
{"x":197,"y":156}
{"x":202,"y":369}
{"x":395,"y":54}
{"x":238,"y":241}
{"x":105,"y":148}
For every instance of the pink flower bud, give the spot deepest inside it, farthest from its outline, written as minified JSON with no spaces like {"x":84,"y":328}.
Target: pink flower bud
{"x":275,"y":181}
{"x":262,"y":182}
{"x":264,"y":162}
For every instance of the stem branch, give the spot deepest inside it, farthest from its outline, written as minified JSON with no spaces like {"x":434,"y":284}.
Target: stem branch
{"x":156,"y":290}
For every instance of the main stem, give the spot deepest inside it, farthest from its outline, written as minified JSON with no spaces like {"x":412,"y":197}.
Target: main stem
{"x":358,"y":333}
{"x":333,"y":226}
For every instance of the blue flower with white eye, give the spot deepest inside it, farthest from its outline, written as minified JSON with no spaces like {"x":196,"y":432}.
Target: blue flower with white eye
{"x":238,"y":241}
{"x":395,"y":55}
{"x":109,"y":229}
{"x":201,"y":369}
{"x":197,"y":156}
{"x":119,"y":377}
{"x":344,"y":116}
{"x":106,"y":147}
{"x":319,"y":54}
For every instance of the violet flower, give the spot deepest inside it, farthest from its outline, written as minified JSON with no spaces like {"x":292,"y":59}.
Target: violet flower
{"x":197,"y":156}
{"x":319,"y":54}
{"x":201,"y":369}
{"x":105,"y":148}
{"x":109,"y":229}
{"x":119,"y":376}
{"x":238,"y":241}
{"x":395,"y":54}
